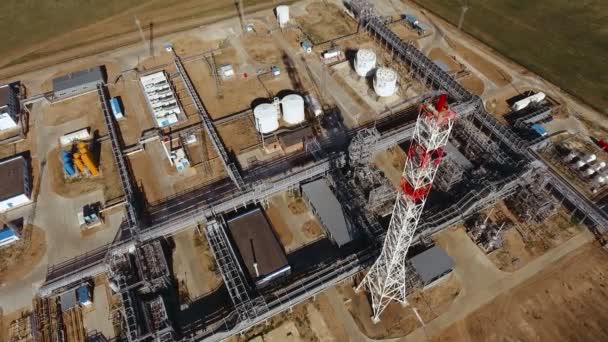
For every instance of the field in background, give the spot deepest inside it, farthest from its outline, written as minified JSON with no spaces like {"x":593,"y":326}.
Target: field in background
{"x":32,"y":29}
{"x":563,"y":41}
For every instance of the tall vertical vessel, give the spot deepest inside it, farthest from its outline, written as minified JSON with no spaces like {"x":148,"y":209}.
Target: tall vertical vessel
{"x":365,"y":62}
{"x":282,"y":15}
{"x":386,"y":280}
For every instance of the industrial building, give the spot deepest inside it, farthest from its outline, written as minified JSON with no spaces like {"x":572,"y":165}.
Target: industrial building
{"x":432,"y":264}
{"x":15,"y":189}
{"x":161,"y":99}
{"x":260,"y":251}
{"x":9,"y":106}
{"x":325,"y":205}
{"x":77,"y":83}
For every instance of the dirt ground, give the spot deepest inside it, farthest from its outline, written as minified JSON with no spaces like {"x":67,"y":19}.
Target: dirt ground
{"x":325,"y":21}
{"x":238,"y":135}
{"x":527,"y":241}
{"x":83,"y":110}
{"x":489,"y":69}
{"x":438,"y":54}
{"x":138,"y":117}
{"x":403,"y":32}
{"x":473,"y":84}
{"x":294,"y":224}
{"x":194,"y":267}
{"x":398,"y":321}
{"x":565,"y":302}
{"x":19,"y":259}
{"x":107,"y":180}
{"x":391,"y":162}
{"x":5,"y":322}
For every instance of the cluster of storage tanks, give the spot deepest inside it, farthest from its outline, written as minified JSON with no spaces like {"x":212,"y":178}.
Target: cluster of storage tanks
{"x":79,"y":163}
{"x":290,"y":109}
{"x":385,"y":79}
{"x":589,"y":167}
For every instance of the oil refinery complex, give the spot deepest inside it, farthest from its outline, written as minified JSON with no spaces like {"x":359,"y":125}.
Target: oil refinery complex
{"x":213,"y":142}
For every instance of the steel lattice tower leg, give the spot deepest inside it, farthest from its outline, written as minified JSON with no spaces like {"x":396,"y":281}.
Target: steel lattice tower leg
{"x":387,"y":278}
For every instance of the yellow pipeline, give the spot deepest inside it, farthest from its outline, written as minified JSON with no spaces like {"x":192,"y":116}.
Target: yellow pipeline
{"x":78,"y":162}
{"x":86,"y":158}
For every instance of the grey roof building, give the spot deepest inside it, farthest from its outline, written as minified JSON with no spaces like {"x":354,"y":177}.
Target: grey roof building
{"x":78,"y":82}
{"x":325,"y":205}
{"x":432,"y":264}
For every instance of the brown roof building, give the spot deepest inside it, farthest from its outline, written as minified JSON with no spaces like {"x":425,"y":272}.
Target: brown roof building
{"x":259,"y":248}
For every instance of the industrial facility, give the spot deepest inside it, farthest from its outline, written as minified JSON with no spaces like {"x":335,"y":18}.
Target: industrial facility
{"x":181,"y":145}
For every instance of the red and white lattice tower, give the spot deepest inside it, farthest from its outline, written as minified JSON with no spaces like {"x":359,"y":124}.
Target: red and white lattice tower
{"x":386,"y":280}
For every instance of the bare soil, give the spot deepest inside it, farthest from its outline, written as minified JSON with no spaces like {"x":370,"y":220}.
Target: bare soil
{"x":238,"y":135}
{"x":7,"y":318}
{"x":17,"y":260}
{"x":473,"y":84}
{"x":404,"y":32}
{"x":565,"y":302}
{"x":279,"y":225}
{"x":527,"y":241}
{"x":194,"y":267}
{"x":138,"y":117}
{"x":312,"y":229}
{"x":438,"y":54}
{"x":84,"y":109}
{"x":108,"y":180}
{"x":489,"y":69}
{"x":398,"y":321}
{"x":325,"y":21}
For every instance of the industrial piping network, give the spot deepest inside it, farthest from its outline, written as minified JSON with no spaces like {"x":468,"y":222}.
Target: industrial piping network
{"x":435,"y":77}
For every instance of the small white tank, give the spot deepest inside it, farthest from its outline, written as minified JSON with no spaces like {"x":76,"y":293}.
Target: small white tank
{"x":589,"y":172}
{"x":579,"y":164}
{"x":293,"y":109}
{"x":599,"y":166}
{"x":266,"y":118}
{"x":385,"y":82}
{"x":365,"y":62}
{"x":588,"y":159}
{"x":283,"y":15}
{"x":599,"y":179}
{"x":570,"y":157}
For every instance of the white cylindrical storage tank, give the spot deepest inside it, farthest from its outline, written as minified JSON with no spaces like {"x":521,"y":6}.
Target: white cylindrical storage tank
{"x":579,"y":164}
{"x":588,"y":159}
{"x":599,"y":166}
{"x":365,"y":62}
{"x":293,"y":109}
{"x":521,"y":104}
{"x":283,"y":15}
{"x":385,"y":82}
{"x":599,"y":179}
{"x":537,"y":97}
{"x":266,"y":118}
{"x":589,"y":172}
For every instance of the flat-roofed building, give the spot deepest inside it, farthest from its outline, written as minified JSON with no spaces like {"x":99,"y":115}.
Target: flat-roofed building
{"x":15,"y":184}
{"x":10,"y":109}
{"x":260,"y":251}
{"x":432,"y":264}
{"x":161,"y":98}
{"x":325,"y":205}
{"x":77,"y":83}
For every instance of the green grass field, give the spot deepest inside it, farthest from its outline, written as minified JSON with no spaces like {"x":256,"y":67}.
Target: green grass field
{"x":564,"y":41}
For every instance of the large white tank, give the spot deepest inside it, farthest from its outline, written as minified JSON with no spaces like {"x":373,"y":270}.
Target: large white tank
{"x":283,"y":15}
{"x":365,"y":62}
{"x":266,"y":118}
{"x":385,"y":82}
{"x":293,"y":109}
{"x":599,"y":166}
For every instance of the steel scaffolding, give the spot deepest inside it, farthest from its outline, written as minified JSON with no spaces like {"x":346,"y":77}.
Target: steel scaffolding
{"x":232,"y":273}
{"x":387,"y":279}
{"x":230,"y":167}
